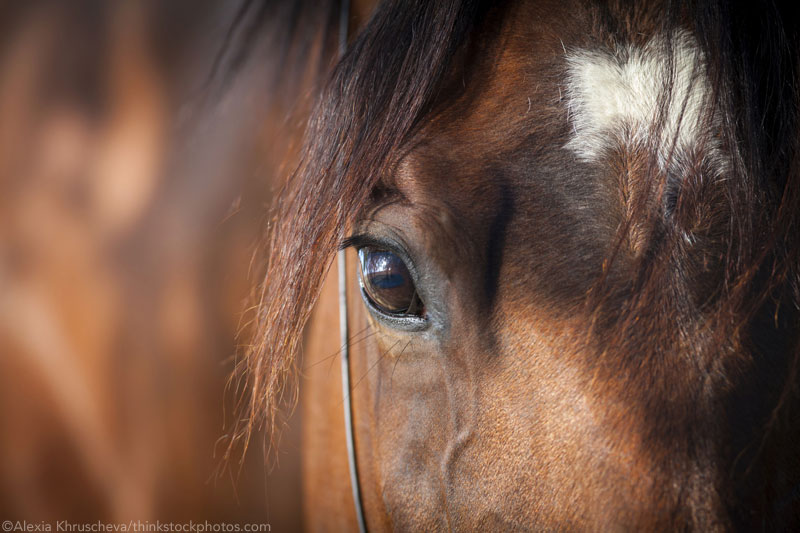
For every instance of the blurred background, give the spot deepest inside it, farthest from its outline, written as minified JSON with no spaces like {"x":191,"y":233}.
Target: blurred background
{"x":134,"y":187}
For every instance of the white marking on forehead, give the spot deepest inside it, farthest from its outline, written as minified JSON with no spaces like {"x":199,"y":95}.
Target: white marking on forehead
{"x":616,"y":97}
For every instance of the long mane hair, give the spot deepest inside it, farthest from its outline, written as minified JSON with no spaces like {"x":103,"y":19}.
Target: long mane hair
{"x":388,"y":83}
{"x":374,"y":97}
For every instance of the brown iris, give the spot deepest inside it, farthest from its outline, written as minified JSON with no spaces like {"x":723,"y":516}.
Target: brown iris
{"x":388,"y":283}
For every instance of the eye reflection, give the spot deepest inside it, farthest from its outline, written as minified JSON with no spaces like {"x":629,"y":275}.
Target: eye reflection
{"x":387,"y":282}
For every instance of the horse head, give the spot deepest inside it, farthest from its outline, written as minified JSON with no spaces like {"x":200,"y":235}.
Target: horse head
{"x":572,"y":281}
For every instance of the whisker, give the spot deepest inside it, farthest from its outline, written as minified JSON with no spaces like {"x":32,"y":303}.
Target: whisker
{"x":398,"y":360}
{"x":354,"y":340}
{"x":375,"y":364}
{"x":351,"y":343}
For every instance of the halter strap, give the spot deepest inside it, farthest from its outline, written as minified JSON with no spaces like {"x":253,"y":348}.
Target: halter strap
{"x":344,"y":16}
{"x":348,"y":404}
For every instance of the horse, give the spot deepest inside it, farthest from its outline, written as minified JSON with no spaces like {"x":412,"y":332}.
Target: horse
{"x":570,"y":275}
{"x":577,"y":288}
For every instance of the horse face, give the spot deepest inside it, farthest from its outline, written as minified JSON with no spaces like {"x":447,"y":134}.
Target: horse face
{"x":515,"y":373}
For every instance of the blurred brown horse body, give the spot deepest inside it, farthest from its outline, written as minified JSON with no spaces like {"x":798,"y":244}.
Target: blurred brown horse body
{"x":574,"y":302}
{"x":128,"y":211}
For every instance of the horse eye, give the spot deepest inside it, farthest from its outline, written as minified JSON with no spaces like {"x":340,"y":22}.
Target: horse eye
{"x":387,"y":282}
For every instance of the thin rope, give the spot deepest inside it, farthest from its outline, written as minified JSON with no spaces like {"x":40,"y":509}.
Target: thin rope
{"x":344,"y":18}
{"x":348,"y":405}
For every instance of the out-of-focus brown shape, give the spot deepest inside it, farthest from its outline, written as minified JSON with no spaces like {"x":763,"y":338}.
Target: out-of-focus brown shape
{"x":129,"y":208}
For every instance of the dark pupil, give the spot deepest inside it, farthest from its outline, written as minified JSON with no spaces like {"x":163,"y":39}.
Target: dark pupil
{"x":387,"y":281}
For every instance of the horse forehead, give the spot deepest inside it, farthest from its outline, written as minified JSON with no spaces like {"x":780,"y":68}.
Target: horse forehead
{"x":577,"y":100}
